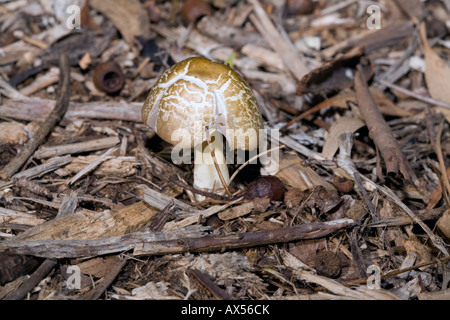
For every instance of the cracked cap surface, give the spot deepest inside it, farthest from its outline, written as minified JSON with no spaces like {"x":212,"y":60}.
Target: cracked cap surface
{"x":197,"y":93}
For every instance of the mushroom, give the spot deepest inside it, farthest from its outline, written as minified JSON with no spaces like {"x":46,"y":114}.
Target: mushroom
{"x":194,"y":104}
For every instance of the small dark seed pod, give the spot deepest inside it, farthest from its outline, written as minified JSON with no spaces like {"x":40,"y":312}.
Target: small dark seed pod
{"x":108,"y":77}
{"x":266,"y":186}
{"x":193,"y":10}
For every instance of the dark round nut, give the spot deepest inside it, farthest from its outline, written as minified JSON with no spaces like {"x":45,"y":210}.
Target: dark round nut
{"x":328,"y":264}
{"x":297,"y":7}
{"x":193,"y":10}
{"x":108,"y":77}
{"x":342,"y":184}
{"x":266,"y":186}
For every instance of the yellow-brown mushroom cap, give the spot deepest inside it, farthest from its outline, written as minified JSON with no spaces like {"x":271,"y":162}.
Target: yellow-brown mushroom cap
{"x":197,"y":93}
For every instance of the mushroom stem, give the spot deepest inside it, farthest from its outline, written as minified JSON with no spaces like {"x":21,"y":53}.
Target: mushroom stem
{"x":206,"y":177}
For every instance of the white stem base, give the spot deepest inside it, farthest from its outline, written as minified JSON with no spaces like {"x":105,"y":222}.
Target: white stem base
{"x":206,"y":177}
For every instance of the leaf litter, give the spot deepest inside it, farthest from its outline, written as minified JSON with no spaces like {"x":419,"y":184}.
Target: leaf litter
{"x":363,"y":145}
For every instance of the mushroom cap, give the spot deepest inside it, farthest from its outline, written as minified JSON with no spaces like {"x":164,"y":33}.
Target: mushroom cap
{"x":197,"y":93}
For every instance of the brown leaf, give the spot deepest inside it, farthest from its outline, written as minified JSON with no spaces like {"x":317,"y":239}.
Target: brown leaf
{"x":297,"y":175}
{"x":437,"y":73}
{"x":128,"y":16}
{"x":341,"y":125}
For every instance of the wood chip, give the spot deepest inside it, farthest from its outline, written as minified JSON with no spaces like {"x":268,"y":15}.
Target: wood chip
{"x":97,"y":144}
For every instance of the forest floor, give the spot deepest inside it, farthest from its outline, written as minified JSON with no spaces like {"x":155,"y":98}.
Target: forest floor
{"x":355,"y":95}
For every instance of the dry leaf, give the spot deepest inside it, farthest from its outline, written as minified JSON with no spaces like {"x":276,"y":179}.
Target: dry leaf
{"x":437,"y":72}
{"x":128,"y":16}
{"x":341,"y":125}
{"x":295,"y":174}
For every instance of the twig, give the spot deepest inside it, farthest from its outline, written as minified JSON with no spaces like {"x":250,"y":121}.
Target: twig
{"x":44,"y":168}
{"x":194,"y":216}
{"x":303,"y":115}
{"x":396,"y":272}
{"x":38,"y":109}
{"x":148,"y":243}
{"x":437,"y":241}
{"x":33,"y":281}
{"x":92,"y":145}
{"x":364,"y":195}
{"x":356,"y":251}
{"x":141,"y":66}
{"x":195,"y":190}
{"x":203,"y":278}
{"x":381,"y":133}
{"x":341,"y":290}
{"x":414,"y":95}
{"x":7,"y":90}
{"x":160,"y":219}
{"x":91,"y":166}
{"x":37,"y":171}
{"x":398,"y":69}
{"x":44,"y":81}
{"x":297,"y":146}
{"x":53,"y":118}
